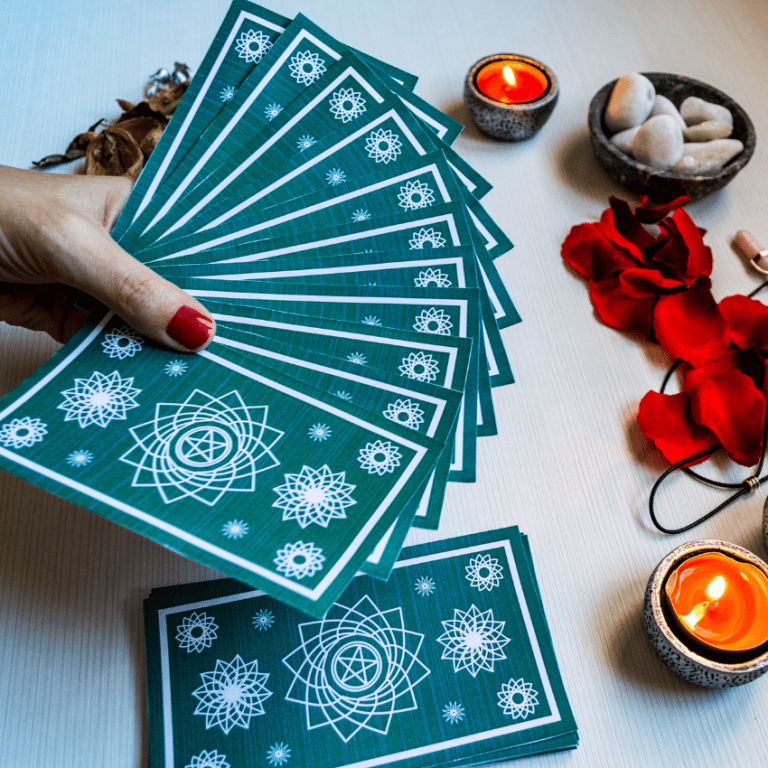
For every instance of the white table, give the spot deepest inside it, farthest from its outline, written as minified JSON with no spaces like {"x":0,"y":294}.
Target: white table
{"x":569,"y":464}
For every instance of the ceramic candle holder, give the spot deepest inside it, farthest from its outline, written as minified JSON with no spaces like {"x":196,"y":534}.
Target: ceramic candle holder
{"x":510,"y":121}
{"x":675,"y":652}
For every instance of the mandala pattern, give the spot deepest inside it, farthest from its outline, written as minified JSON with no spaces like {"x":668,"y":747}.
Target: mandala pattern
{"x":175,"y":368}
{"x":383,"y":146}
{"x":453,"y":712}
{"x":319,"y":432}
{"x":209,"y":760}
{"x":425,"y":237}
{"x":299,"y":560}
{"x":22,"y":433}
{"x":340,"y":393}
{"x":517,"y":698}
{"x":305,"y":142}
{"x":99,"y":399}
{"x":263,"y":619}
{"x":202,"y":448}
{"x":272,"y":111}
{"x":235,"y":529}
{"x":434,"y":277}
{"x":347,"y":104}
{"x":196,"y":632}
{"x":122,"y":343}
{"x":484,"y":572}
{"x":306,"y":67}
{"x":424,"y":586}
{"x":360,"y":215}
{"x":358,"y":358}
{"x":433,"y":320}
{"x":227,"y":93}
{"x":79,"y":458}
{"x":405,"y":412}
{"x":232,"y":694}
{"x":278,"y":754}
{"x":379,"y":458}
{"x":372,"y":320}
{"x":252,"y":46}
{"x":414,"y":195}
{"x":335,"y":177}
{"x":419,"y":366}
{"x":473,"y":640}
{"x":314,"y":496}
{"x":355,"y":669}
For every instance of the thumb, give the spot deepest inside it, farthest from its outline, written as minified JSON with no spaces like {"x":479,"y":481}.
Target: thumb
{"x":155,"y":307}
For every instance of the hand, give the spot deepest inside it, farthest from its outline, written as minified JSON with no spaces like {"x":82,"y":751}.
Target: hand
{"x":54,"y":243}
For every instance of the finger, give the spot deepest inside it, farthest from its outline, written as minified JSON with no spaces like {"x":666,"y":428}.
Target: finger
{"x":48,"y":308}
{"x":89,"y":259}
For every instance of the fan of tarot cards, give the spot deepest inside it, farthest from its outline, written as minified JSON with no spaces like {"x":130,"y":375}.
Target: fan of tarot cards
{"x":313,"y":203}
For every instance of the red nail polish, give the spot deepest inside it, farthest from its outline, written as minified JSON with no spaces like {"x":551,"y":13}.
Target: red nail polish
{"x":189,"y":327}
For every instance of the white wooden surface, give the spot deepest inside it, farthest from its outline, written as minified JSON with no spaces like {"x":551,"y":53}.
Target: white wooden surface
{"x":569,"y":465}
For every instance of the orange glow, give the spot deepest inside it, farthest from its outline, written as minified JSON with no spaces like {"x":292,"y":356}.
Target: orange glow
{"x":512,"y":81}
{"x":720,"y":601}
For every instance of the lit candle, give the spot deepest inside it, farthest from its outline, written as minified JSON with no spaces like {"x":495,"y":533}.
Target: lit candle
{"x":719,"y":602}
{"x":512,"y":81}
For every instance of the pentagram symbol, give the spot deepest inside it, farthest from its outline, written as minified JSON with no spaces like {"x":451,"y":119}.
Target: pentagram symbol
{"x":202,"y":448}
{"x":356,"y":669}
{"x":356,"y":665}
{"x":205,"y":446}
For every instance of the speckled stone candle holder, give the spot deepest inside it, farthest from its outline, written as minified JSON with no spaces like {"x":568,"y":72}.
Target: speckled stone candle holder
{"x":509,"y":122}
{"x":688,"y":664}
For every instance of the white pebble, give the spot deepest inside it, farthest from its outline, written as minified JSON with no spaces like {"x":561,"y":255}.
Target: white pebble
{"x":695,"y":110}
{"x":708,"y":130}
{"x":708,"y":156}
{"x":663,"y":106}
{"x":658,"y":143}
{"x":623,"y":139}
{"x":631,"y":101}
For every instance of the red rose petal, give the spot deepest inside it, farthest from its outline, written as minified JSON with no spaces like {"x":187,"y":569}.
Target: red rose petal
{"x":619,"y":224}
{"x":618,"y":310}
{"x":689,"y":325}
{"x":733,"y":360}
{"x":593,"y":255}
{"x":734,"y":409}
{"x":747,"y":321}
{"x":651,"y":214}
{"x":699,"y":254}
{"x":667,"y":421}
{"x":640,"y":283}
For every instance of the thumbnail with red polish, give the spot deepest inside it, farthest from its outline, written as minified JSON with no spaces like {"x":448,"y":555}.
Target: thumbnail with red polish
{"x":189,"y":327}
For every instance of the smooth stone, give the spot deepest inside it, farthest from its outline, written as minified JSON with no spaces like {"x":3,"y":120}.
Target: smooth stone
{"x":706,"y":157}
{"x":708,"y":130}
{"x":623,"y":139}
{"x":663,"y":106}
{"x":658,"y":142}
{"x":695,"y":110}
{"x":630,"y":103}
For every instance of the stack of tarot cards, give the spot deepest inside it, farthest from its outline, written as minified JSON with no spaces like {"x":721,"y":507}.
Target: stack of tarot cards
{"x":449,"y":662}
{"x":312,"y":202}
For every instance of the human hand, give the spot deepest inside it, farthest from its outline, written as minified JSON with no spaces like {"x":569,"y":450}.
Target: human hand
{"x":54,"y":243}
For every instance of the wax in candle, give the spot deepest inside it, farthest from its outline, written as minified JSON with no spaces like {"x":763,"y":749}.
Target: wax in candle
{"x":511,"y":81}
{"x":720,"y":601}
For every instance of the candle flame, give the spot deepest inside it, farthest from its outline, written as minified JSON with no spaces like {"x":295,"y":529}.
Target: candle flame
{"x":509,"y":76}
{"x":716,"y":588}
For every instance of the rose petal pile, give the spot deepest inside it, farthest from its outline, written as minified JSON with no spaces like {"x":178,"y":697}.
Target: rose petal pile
{"x":648,"y":273}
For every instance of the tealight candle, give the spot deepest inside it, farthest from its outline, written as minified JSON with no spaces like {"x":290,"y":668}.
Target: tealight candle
{"x":512,"y":81}
{"x":510,"y":96}
{"x":720,"y":602}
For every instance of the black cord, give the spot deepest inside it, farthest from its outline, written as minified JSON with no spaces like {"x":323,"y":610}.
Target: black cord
{"x":752,"y":483}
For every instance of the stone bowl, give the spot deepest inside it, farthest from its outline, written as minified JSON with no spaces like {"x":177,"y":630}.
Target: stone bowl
{"x":682,"y":660}
{"x":663,"y":186}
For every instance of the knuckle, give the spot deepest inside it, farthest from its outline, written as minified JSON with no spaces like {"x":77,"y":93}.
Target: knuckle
{"x":135,"y":290}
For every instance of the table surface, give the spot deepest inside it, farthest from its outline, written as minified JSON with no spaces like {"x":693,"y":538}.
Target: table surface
{"x":569,"y":465}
